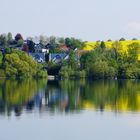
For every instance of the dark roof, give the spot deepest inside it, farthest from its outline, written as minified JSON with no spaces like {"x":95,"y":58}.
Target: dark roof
{"x":38,"y":55}
{"x":58,"y":56}
{"x":39,"y":45}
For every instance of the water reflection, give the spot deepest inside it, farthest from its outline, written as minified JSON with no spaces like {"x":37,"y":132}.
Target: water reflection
{"x":68,"y":96}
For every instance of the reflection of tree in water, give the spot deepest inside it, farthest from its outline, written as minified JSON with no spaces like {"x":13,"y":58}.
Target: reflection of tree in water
{"x":56,"y":97}
{"x":113,"y":95}
{"x":16,"y":94}
{"x":68,"y":96}
{"x":63,"y":95}
{"x":121,"y":95}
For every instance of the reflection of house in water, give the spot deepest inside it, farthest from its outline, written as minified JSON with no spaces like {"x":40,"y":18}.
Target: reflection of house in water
{"x":51,"y":99}
{"x":37,"y":101}
{"x":60,"y":99}
{"x":56,"y":97}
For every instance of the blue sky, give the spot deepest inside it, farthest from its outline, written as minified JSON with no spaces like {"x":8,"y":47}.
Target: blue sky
{"x":85,"y":19}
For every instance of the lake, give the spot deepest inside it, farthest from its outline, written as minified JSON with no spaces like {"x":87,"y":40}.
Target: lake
{"x":69,"y":110}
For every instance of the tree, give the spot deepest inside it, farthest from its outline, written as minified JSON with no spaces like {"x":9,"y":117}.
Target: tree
{"x":122,"y":39}
{"x":68,"y":42}
{"x":19,"y":43}
{"x":53,"y":45}
{"x":9,"y":37}
{"x":117,"y":48}
{"x":18,"y":37}
{"x":31,"y":45}
{"x":72,"y":60}
{"x":19,"y":64}
{"x":102,"y":45}
{"x":26,"y":48}
{"x":73,"y":43}
{"x":1,"y":58}
{"x":3,"y":40}
{"x":99,"y":69}
{"x":133,"y":52}
{"x":43,"y":40}
{"x":134,"y":39}
{"x":61,"y":40}
{"x":19,"y":40}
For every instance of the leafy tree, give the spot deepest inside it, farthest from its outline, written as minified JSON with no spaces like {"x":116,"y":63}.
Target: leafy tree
{"x":20,"y":42}
{"x":1,"y":58}
{"x":9,"y":37}
{"x":73,"y":63}
{"x":3,"y":40}
{"x":102,"y":45}
{"x":26,"y":48}
{"x":19,"y":64}
{"x":68,"y":42}
{"x":134,"y":39}
{"x":133,"y":52}
{"x":73,"y":43}
{"x":18,"y":37}
{"x":122,"y":39}
{"x":31,"y":45}
{"x":43,"y":40}
{"x":61,"y":40}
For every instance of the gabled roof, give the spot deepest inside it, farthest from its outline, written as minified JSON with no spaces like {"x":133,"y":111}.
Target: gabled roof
{"x":38,"y":56}
{"x":58,"y":56}
{"x":64,"y":48}
{"x":39,"y":45}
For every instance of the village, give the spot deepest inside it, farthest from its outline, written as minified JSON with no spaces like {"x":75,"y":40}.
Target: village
{"x":40,"y":52}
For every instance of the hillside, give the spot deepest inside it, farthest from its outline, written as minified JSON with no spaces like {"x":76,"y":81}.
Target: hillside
{"x":122,"y":45}
{"x":109,"y":44}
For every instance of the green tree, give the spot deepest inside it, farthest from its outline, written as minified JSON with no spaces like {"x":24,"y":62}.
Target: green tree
{"x":133,"y":52}
{"x":3,"y":40}
{"x":9,"y":37}
{"x":102,"y":45}
{"x":73,"y":63}
{"x":1,"y":58}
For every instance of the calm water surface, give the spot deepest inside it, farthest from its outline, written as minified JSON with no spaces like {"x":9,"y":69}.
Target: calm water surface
{"x":69,"y":110}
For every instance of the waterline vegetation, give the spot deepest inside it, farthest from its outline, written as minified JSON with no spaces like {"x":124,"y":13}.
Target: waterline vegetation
{"x":68,"y":58}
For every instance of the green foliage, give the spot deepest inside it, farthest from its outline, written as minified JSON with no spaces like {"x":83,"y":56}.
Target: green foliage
{"x":73,"y":63}
{"x":31,"y":45}
{"x":68,"y":72}
{"x":9,"y":37}
{"x":74,"y":43}
{"x":3,"y":40}
{"x":122,"y":39}
{"x":102,"y":45}
{"x":19,"y":43}
{"x":64,"y":72}
{"x":2,"y":73}
{"x":102,"y":62}
{"x":110,"y":63}
{"x":42,"y":74}
{"x":133,"y":51}
{"x":81,"y":74}
{"x":53,"y":69}
{"x":19,"y":64}
{"x":77,"y":43}
{"x":1,"y":58}
{"x":17,"y":92}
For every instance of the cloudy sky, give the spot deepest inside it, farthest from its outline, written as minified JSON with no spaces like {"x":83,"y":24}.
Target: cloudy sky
{"x":85,"y":19}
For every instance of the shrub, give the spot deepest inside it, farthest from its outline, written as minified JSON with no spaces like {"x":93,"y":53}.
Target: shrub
{"x":42,"y":74}
{"x":2,"y":73}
